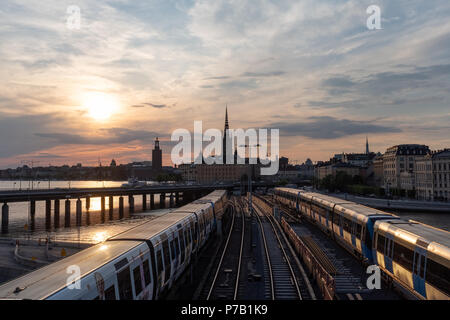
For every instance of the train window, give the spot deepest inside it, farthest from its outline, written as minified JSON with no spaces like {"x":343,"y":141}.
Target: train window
{"x":195,"y":231}
{"x":110,"y":293}
{"x":358,"y":231}
{"x":166,"y":256}
{"x":172,"y":250}
{"x":182,"y":245}
{"x":438,"y":276}
{"x":368,"y":238}
{"x":186,"y":241}
{"x":416,"y":264}
{"x":124,"y":281}
{"x":347,"y":225}
{"x":177,"y":246}
{"x":380,"y":243}
{"x":137,"y":280}
{"x":147,"y":277}
{"x":160,"y":262}
{"x":403,"y":256}
{"x":422,"y":267}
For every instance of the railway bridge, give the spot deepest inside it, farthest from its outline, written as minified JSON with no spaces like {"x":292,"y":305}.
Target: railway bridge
{"x":53,"y":197}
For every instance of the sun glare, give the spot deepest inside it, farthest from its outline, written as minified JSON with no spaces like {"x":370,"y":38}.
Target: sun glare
{"x":100,"y":106}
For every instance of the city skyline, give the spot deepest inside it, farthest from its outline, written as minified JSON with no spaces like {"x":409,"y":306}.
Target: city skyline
{"x":134,"y":72}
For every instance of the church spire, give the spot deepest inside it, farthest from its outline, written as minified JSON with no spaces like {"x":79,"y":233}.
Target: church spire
{"x":226,"y":118}
{"x":367,"y":145}
{"x":224,"y":142}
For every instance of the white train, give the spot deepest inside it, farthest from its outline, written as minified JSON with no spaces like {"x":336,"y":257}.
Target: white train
{"x":140,"y":263}
{"x":415,"y":256}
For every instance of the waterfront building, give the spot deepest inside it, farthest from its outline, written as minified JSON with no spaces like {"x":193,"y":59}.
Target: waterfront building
{"x":433,"y":176}
{"x":399,"y":159}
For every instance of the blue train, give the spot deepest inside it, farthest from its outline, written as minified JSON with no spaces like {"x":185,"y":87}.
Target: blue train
{"x":414,"y":256}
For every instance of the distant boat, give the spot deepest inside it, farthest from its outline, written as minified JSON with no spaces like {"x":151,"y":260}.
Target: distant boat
{"x":134,"y":183}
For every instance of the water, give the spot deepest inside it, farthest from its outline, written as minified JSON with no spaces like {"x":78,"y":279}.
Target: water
{"x":19,"y":212}
{"x":438,"y":220}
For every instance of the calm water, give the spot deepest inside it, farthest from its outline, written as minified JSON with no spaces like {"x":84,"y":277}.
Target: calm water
{"x":19,"y":213}
{"x":438,"y":220}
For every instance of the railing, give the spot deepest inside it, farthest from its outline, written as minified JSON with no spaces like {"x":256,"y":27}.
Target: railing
{"x":324,"y":280}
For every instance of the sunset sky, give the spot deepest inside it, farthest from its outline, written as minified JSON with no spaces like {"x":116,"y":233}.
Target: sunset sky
{"x":136,"y":70}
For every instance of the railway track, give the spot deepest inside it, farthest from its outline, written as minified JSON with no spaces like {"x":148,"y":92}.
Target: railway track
{"x":225,"y":282}
{"x":286,"y":278}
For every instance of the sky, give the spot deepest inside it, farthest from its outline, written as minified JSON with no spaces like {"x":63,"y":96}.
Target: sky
{"x":135,"y":70}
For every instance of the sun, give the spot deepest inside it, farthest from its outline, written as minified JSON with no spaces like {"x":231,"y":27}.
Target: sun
{"x":100,"y":106}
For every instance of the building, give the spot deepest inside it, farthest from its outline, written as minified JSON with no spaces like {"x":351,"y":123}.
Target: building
{"x":332,"y":169}
{"x":212,"y":173}
{"x":157,"y":157}
{"x":377,"y":164}
{"x":221,"y":172}
{"x":358,"y":159}
{"x":283,"y":163}
{"x":399,"y":159}
{"x":432,"y":176}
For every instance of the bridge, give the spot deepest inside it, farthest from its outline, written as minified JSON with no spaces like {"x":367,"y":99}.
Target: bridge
{"x":175,"y":192}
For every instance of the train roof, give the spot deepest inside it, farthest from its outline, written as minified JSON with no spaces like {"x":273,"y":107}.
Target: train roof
{"x":361,"y":209}
{"x":50,"y":279}
{"x":325,"y":199}
{"x":437,"y":240}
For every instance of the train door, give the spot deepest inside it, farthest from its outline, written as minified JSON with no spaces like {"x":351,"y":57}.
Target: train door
{"x":160,"y":266}
{"x":183,"y":245}
{"x":341,"y":226}
{"x":353,"y":229}
{"x":389,"y":252}
{"x":166,"y":257}
{"x":419,"y":270}
{"x":124,"y":280}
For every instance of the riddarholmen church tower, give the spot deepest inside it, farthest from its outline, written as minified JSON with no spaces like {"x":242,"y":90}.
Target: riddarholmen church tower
{"x":224,"y":142}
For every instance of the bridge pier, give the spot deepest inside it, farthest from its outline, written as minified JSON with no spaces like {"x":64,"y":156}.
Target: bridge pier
{"x":131,"y":204}
{"x":177,"y":198}
{"x":102,"y":206}
{"x":111,"y":207}
{"x":121,"y":207}
{"x":33,"y":215}
{"x":78,"y":216}
{"x":171,"y":200}
{"x":67,"y":214}
{"x":5,"y":218}
{"x":162,"y":200}
{"x":88,"y":203}
{"x":48,"y":214}
{"x":152,"y":201}
{"x":144,"y":202}
{"x":56,"y":217}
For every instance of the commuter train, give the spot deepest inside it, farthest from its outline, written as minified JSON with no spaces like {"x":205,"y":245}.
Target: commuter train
{"x":141,"y":263}
{"x":414,"y":256}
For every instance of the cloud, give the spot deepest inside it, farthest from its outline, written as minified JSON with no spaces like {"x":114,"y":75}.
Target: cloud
{"x":340,"y":82}
{"x":263,"y":74}
{"x":157,"y":106}
{"x":325,"y":127}
{"x":104,"y":136}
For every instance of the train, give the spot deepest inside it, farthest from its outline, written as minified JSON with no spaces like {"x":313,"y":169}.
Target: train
{"x":413,"y":256}
{"x":142,"y":263}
